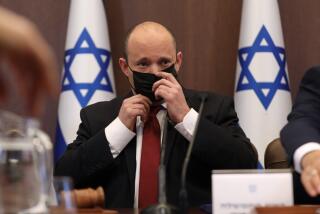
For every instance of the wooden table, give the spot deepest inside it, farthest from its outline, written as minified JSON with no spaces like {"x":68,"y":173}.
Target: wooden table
{"x":56,"y":210}
{"x":301,"y":209}
{"x":305,"y":209}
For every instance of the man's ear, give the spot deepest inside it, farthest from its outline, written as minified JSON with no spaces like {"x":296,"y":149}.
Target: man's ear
{"x":179,"y":61}
{"x":124,"y":66}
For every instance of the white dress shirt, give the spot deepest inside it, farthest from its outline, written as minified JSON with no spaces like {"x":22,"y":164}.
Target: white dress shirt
{"x":118,"y":136}
{"x":301,"y":152}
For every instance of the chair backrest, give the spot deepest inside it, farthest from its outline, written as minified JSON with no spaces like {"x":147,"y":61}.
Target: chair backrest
{"x":275,"y":157}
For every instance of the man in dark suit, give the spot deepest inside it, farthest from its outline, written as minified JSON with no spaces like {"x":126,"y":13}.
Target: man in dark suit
{"x":110,"y":149}
{"x":301,"y":138}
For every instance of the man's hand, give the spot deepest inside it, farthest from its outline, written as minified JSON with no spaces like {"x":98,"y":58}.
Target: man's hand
{"x":310,"y":175}
{"x":171,"y":91}
{"x":132,"y":107}
{"x":30,"y":58}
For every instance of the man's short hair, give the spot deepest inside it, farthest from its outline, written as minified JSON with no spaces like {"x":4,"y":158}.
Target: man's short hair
{"x":125,"y":48}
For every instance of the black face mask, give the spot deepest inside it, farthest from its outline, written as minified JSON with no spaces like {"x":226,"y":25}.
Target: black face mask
{"x":143,"y":82}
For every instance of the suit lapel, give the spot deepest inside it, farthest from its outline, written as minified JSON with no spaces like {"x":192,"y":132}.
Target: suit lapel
{"x":130,"y":153}
{"x":171,"y":136}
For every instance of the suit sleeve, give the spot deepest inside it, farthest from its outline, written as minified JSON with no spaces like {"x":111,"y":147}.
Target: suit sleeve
{"x":78,"y":160}
{"x":220,"y":141}
{"x":304,"y":120}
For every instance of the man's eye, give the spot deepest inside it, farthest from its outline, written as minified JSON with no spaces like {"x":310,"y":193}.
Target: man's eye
{"x":142,"y":64}
{"x":166,"y":62}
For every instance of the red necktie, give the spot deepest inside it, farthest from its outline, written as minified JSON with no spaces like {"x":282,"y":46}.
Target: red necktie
{"x":150,"y":159}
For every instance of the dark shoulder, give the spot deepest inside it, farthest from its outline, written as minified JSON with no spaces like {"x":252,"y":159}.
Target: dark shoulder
{"x":111,"y":106}
{"x":194,"y":95}
{"x":312,"y":76}
{"x":217,"y":107}
{"x":310,"y":86}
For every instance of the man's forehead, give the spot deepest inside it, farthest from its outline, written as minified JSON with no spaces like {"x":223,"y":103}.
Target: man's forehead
{"x":147,"y":38}
{"x":155,"y":58}
{"x":155,"y":51}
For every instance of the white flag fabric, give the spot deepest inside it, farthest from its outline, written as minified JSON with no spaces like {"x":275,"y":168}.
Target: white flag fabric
{"x":87,"y":75}
{"x":262,"y":93}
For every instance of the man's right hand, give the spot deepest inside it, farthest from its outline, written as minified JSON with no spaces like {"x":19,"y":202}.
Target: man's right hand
{"x":310,"y":175}
{"x":137,"y":105}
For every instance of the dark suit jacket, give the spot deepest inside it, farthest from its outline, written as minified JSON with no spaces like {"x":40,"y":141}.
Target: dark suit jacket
{"x":304,"y":124}
{"x":304,"y":120}
{"x":220,"y":144}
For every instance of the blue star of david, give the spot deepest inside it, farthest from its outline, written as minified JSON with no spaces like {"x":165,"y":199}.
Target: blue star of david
{"x":262,"y":43}
{"x":85,"y":45}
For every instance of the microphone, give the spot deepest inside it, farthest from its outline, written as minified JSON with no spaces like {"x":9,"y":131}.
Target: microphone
{"x":183,"y":195}
{"x":162,"y":207}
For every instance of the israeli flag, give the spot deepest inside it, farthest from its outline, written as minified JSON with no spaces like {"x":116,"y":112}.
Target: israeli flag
{"x":262,"y":92}
{"x":87,"y":73}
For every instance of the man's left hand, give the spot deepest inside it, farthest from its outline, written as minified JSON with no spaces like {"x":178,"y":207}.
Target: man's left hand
{"x":171,"y":91}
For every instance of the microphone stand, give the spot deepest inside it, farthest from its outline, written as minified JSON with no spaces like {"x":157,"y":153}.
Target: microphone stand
{"x":162,"y":207}
{"x":183,"y":195}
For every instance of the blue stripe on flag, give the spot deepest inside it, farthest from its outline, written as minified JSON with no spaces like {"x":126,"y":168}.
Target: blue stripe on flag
{"x":60,"y":145}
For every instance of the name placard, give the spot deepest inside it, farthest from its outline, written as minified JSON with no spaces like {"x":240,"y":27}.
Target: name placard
{"x":239,"y":191}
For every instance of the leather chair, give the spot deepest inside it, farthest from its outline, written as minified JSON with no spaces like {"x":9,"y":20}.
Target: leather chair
{"x":275,"y":157}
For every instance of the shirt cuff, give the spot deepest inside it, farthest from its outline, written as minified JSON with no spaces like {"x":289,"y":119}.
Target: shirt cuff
{"x":301,"y":152}
{"x":187,"y":126}
{"x":118,"y":136}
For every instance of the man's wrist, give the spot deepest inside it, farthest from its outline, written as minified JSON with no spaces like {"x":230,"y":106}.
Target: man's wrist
{"x":187,"y":126}
{"x":302,"y":151}
{"x":183,"y":115}
{"x":118,"y":136}
{"x":309,"y":158}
